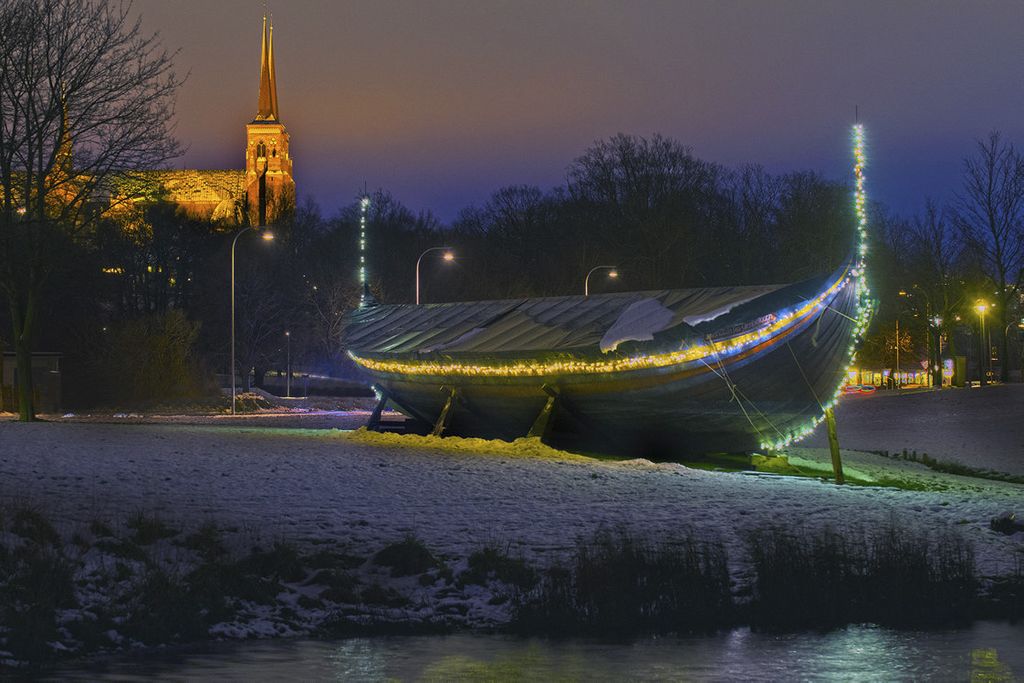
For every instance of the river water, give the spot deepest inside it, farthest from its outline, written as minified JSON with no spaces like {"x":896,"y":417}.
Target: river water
{"x":987,"y":651}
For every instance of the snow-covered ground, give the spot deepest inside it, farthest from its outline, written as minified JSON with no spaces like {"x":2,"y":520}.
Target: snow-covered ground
{"x":259,"y":482}
{"x":982,"y":428}
{"x":369,"y":490}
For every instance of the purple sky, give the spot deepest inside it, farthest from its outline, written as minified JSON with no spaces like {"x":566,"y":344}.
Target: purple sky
{"x":444,"y":102}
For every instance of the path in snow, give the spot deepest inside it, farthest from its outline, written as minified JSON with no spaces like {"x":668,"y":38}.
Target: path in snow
{"x":307,"y":485}
{"x":982,"y":428}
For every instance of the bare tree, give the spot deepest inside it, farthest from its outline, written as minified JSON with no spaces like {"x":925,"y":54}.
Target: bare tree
{"x":85,"y":98}
{"x":937,"y":292}
{"x":645,"y":200}
{"x":261,"y":307}
{"x":989,"y":213}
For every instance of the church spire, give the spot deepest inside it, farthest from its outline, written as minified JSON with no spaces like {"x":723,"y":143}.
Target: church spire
{"x":273,"y":79}
{"x":64,"y":152}
{"x":267,"y":110}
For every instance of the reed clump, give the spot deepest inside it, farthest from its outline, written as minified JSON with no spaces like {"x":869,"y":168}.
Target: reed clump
{"x":617,"y":584}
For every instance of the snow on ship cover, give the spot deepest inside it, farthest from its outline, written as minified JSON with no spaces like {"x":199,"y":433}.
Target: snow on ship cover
{"x":600,"y":326}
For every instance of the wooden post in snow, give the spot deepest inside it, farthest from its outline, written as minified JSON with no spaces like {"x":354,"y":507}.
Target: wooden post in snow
{"x":833,"y":445}
{"x":446,"y":413}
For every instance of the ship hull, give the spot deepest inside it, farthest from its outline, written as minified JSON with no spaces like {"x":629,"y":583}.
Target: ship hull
{"x":721,"y":403}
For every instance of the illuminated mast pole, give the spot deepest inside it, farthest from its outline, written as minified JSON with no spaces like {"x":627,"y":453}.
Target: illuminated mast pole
{"x":365,"y":298}
{"x":857,"y":275}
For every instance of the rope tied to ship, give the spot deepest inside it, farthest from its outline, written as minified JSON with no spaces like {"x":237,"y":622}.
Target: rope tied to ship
{"x":737,"y":393}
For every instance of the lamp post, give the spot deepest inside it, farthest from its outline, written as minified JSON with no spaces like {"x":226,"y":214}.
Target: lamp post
{"x":932,"y":338}
{"x":981,"y":307}
{"x":449,"y":256}
{"x":288,"y":365}
{"x":266,"y":235}
{"x":936,"y":322}
{"x":896,"y":384}
{"x":613,"y":273}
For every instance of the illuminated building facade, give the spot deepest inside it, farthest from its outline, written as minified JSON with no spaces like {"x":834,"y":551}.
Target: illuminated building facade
{"x":259,"y":194}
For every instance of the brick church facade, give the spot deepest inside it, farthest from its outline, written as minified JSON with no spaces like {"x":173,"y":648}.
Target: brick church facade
{"x":260,"y":193}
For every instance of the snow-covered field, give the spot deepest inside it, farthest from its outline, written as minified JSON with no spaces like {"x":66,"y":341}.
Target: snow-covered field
{"x":306,"y":485}
{"x":983,"y":428}
{"x":260,"y":481}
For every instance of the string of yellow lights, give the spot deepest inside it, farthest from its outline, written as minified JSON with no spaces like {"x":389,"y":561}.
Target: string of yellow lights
{"x":779,"y":323}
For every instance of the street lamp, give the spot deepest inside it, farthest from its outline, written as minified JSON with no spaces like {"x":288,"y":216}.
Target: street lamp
{"x":934,"y":339}
{"x":448,"y":256}
{"x":981,"y":307}
{"x":267,"y":236}
{"x":613,"y":273}
{"x":288,"y":365}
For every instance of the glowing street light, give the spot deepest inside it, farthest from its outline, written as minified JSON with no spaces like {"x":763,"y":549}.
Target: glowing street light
{"x":266,"y":235}
{"x":448,"y":257}
{"x":982,"y":307}
{"x":613,"y":273}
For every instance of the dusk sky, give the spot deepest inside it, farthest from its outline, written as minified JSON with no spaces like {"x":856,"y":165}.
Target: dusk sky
{"x":443,"y":102}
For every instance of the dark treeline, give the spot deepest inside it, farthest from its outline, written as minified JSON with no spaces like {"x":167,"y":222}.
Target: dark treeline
{"x":932,"y":270}
{"x":665,"y":218}
{"x":648,"y":206}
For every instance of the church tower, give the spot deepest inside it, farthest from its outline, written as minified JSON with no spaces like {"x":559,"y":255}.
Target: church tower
{"x":270,"y":188}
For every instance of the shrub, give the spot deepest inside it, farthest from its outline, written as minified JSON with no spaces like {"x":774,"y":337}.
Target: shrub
{"x":149,"y":358}
{"x":124,"y":549}
{"x":1007,"y":593}
{"x":340,"y":586}
{"x":378,"y":595}
{"x":35,"y":581}
{"x":149,"y":528}
{"x":823,"y":579}
{"x":492,"y":562}
{"x":33,"y":527}
{"x":619,"y":585}
{"x":281,"y":562}
{"x":164,"y":611}
{"x":100,"y":528}
{"x":406,"y":558}
{"x":914,"y":579}
{"x":206,"y":542}
{"x":334,"y":559}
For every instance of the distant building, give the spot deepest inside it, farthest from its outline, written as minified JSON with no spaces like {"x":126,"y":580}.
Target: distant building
{"x":257,"y":195}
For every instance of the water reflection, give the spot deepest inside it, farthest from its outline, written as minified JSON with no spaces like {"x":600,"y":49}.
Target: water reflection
{"x":987,"y":652}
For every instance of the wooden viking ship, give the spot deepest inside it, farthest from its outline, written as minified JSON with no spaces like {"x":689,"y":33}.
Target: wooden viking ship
{"x":655,"y":373}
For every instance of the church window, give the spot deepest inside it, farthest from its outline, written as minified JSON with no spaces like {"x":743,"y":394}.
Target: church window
{"x":261,"y":149}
